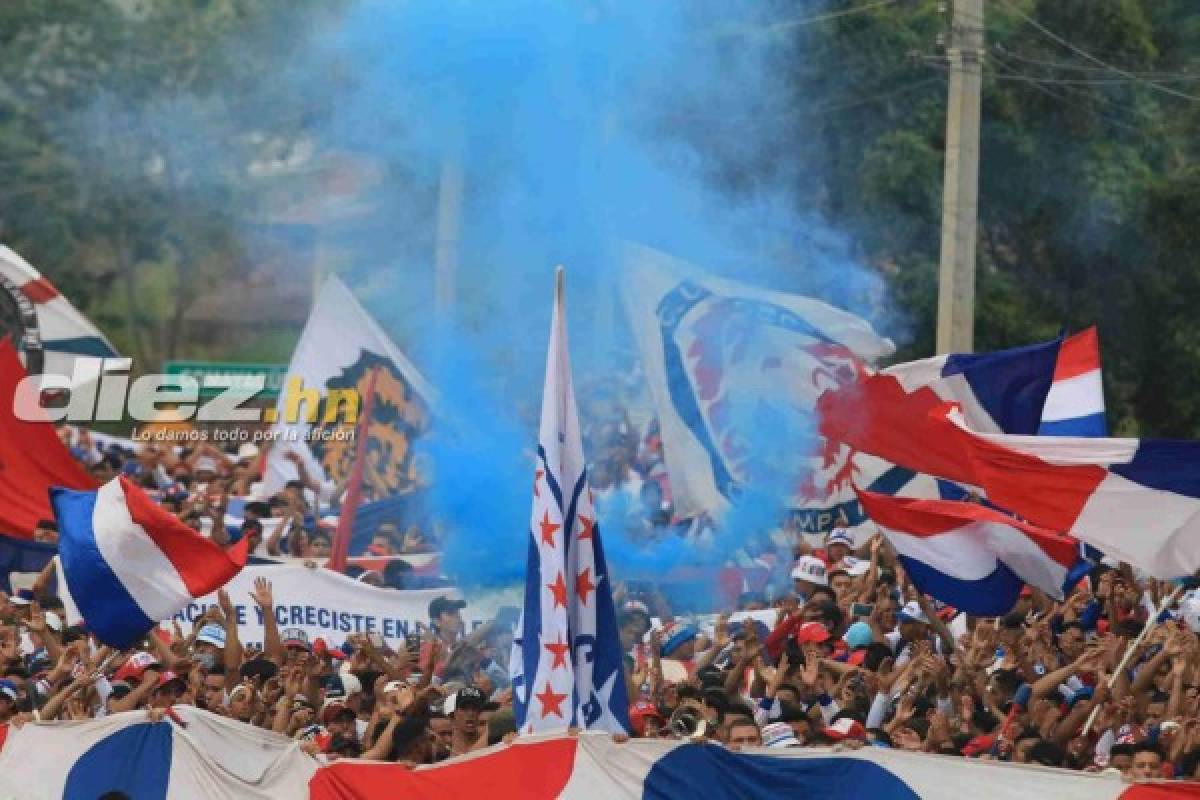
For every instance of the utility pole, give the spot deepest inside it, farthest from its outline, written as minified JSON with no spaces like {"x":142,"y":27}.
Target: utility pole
{"x":960,"y":193}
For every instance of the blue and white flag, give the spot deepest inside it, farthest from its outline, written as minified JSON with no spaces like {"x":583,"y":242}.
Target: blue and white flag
{"x":735,"y":373}
{"x":566,"y":663}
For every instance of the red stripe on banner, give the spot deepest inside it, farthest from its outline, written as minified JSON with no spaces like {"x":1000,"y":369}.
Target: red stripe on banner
{"x":1167,"y":790}
{"x":1079,"y":355}
{"x":39,"y":291}
{"x":533,"y":771}
{"x":926,"y":518}
{"x":875,"y":415}
{"x":1049,"y":495}
{"x":202,"y":564}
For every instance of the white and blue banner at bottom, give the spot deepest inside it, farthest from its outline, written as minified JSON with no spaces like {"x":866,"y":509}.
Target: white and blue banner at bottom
{"x":328,"y":605}
{"x":210,"y":756}
{"x":594,"y":766}
{"x":130,"y":756}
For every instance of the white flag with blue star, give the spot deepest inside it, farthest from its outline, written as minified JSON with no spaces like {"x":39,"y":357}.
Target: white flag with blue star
{"x":566,"y":663}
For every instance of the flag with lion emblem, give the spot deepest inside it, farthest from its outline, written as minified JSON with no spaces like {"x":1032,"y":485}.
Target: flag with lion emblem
{"x":343,"y":354}
{"x":735,"y":373}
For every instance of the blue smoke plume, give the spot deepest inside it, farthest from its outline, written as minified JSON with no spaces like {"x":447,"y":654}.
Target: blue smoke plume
{"x":575,"y":126}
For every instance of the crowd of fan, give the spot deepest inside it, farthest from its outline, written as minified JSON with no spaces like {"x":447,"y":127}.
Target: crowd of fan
{"x":848,"y":655}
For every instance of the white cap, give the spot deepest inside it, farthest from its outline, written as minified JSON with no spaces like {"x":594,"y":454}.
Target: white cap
{"x":912,"y":613}
{"x":247,"y":450}
{"x":840,"y":536}
{"x":856,"y":566}
{"x":811,"y":569}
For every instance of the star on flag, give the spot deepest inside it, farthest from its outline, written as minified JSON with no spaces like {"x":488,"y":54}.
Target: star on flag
{"x":559,"y":649}
{"x":559,"y":590}
{"x":548,"y":528}
{"x":584,"y":585}
{"x":551,"y":702}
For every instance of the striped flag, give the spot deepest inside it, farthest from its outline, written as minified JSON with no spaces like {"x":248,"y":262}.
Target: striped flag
{"x":126,"y":564}
{"x":1075,"y":402}
{"x":973,"y":557}
{"x":566,"y":662}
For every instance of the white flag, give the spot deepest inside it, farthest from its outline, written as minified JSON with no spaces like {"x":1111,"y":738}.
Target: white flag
{"x":340,"y":348}
{"x":734,"y":373}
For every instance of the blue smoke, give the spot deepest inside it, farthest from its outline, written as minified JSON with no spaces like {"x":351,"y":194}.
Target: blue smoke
{"x":575,"y":126}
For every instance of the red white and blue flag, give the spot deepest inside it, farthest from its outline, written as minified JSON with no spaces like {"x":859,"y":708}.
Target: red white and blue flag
{"x":566,"y":662}
{"x":975,"y":558}
{"x":1075,"y":403}
{"x":126,"y":564}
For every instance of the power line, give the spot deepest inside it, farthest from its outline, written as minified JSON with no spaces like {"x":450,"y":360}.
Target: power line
{"x":778,"y":27}
{"x":1037,"y":84}
{"x":1085,"y":54}
{"x":1069,"y":67}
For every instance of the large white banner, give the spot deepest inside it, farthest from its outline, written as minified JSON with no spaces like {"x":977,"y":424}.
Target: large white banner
{"x":331,"y":606}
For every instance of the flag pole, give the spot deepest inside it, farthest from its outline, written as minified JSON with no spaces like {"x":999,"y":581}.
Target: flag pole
{"x":1151,"y":623}
{"x":345,"y":526}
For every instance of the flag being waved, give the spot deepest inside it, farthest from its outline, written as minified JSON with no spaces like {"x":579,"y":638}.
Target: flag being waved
{"x":725,"y":364}
{"x":32,"y":458}
{"x":566,"y":661}
{"x":973,"y":557}
{"x":125,"y":564}
{"x":1138,"y":500}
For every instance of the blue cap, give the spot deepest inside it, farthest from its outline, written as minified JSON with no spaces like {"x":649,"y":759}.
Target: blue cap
{"x":8,"y":689}
{"x":680,"y":637}
{"x":858,"y":635}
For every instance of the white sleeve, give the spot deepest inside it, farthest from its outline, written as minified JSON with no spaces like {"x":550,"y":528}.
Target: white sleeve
{"x":878,"y":711}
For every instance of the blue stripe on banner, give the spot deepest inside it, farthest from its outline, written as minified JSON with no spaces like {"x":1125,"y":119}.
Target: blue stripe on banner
{"x":714,"y":773}
{"x":1092,"y":425}
{"x":81,"y":345}
{"x":1169,"y":465}
{"x":991,"y":596}
{"x":1011,"y":385}
{"x":106,"y":606}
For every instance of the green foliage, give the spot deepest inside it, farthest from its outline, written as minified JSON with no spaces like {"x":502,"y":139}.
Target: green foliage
{"x":1089,"y":185}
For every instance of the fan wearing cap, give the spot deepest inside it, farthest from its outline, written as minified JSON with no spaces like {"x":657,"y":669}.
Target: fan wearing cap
{"x":645,"y":721}
{"x":839,"y":545}
{"x":913,"y":625}
{"x":142,"y":672}
{"x":464,"y":708}
{"x":445,"y":619}
{"x":808,"y":573}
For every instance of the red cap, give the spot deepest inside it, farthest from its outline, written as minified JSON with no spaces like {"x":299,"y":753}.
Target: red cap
{"x":134,"y":666}
{"x":639,"y":712}
{"x":845,"y":728}
{"x":857,"y":658}
{"x":812,"y":632}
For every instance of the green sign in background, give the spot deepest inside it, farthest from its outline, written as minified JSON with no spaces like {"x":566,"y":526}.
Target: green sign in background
{"x":275,"y":374}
